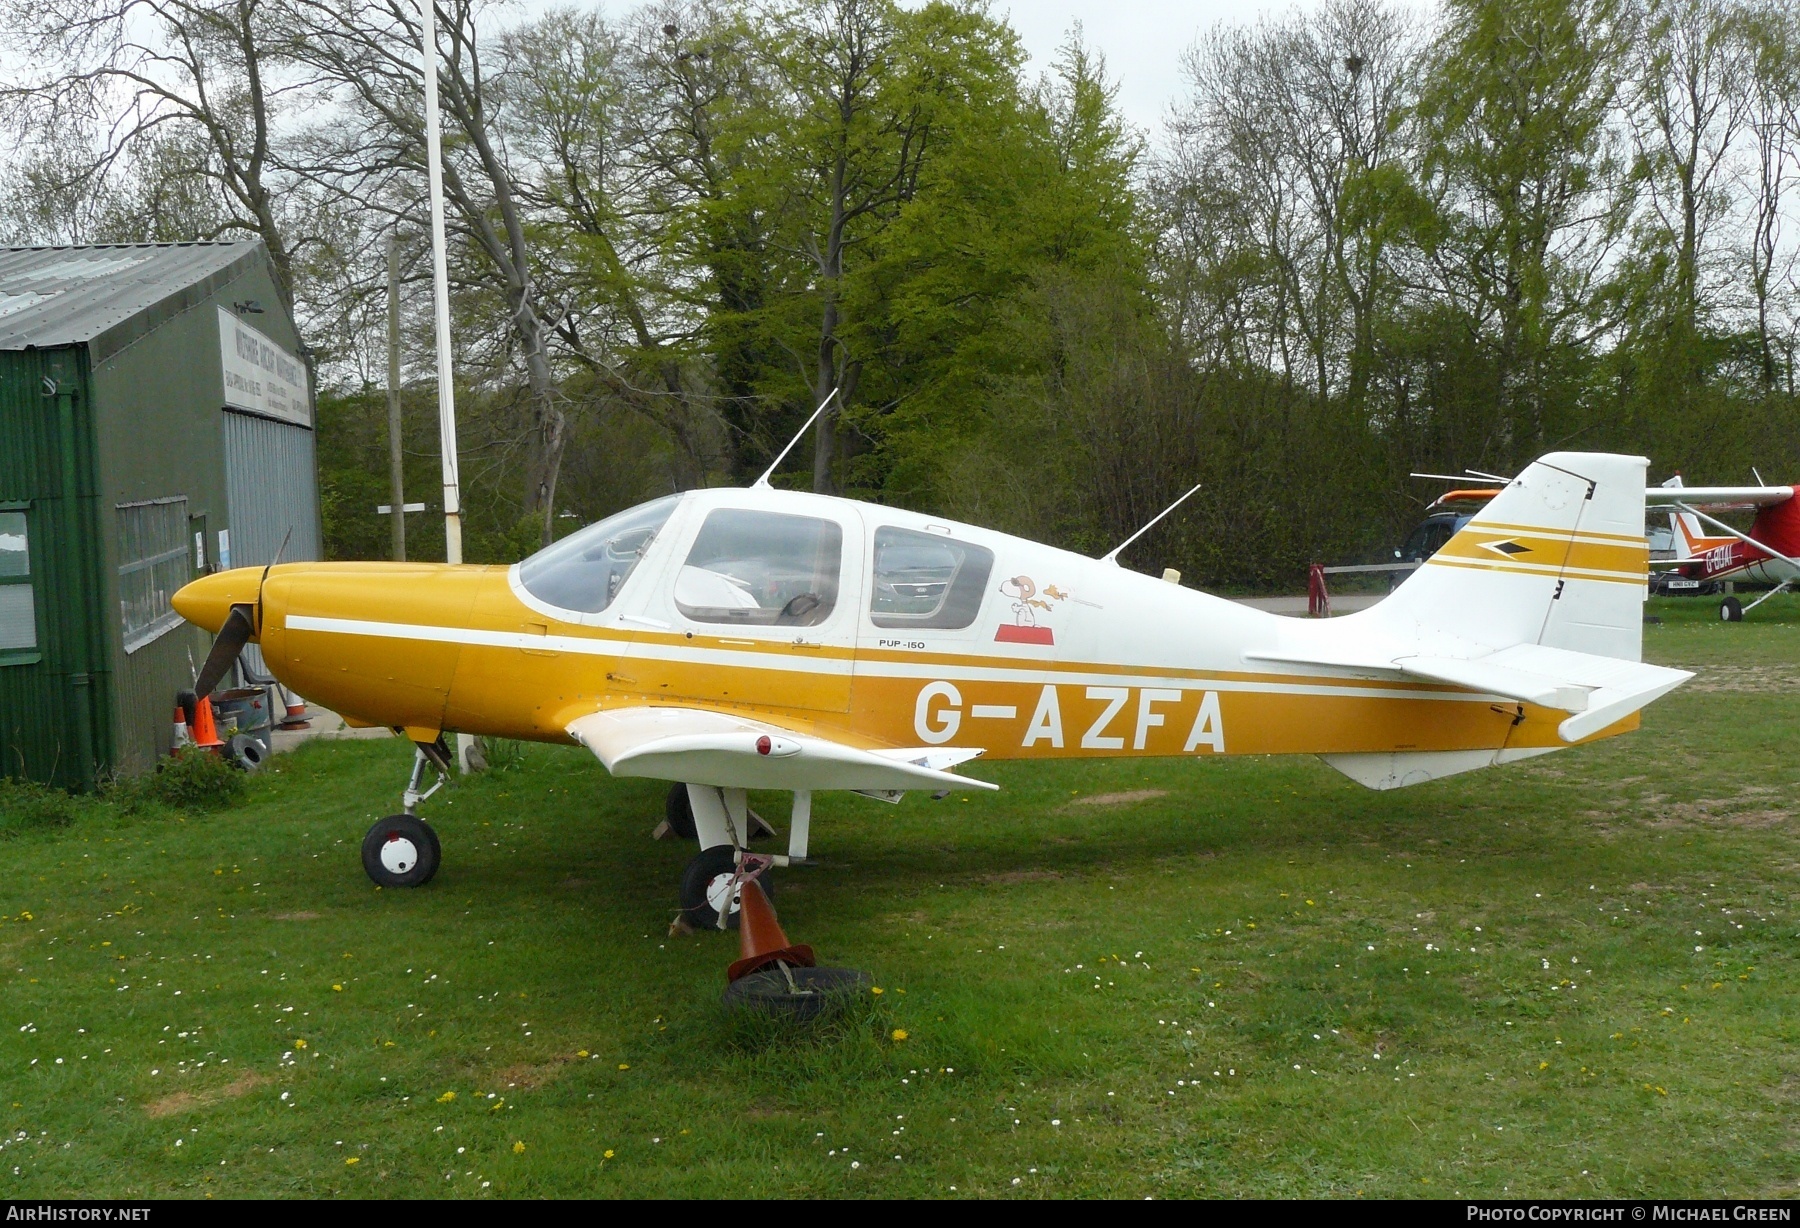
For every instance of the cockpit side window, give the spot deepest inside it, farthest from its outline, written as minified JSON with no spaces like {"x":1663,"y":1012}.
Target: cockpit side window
{"x":926,"y":580}
{"x":761,"y":569}
{"x":585,"y":570}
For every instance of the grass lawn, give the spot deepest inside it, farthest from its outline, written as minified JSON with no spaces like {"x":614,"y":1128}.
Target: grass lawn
{"x":1571,"y":977}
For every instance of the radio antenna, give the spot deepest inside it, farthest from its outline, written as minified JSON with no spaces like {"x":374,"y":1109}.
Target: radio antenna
{"x":801,"y":434}
{"x":1112,"y":556}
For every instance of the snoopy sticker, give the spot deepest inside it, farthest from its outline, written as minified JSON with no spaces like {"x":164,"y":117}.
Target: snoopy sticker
{"x":1025,"y":627}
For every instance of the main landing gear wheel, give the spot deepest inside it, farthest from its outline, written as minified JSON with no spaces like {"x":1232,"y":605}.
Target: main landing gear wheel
{"x":706,"y":889}
{"x":678,"y":812}
{"x":401,"y":851}
{"x":1731,"y":610}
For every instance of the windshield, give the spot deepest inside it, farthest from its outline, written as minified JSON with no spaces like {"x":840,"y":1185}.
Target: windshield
{"x":585,"y":570}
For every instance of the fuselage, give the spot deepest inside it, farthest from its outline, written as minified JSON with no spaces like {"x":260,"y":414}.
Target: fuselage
{"x":1731,"y":558}
{"x":870,"y":625}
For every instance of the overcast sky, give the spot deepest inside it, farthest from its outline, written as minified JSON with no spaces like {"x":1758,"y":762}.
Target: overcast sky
{"x":1143,"y":40}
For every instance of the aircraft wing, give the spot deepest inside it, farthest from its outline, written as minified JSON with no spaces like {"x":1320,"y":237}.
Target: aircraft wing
{"x":1718,"y":496}
{"x":703,"y":747}
{"x":1596,"y":691}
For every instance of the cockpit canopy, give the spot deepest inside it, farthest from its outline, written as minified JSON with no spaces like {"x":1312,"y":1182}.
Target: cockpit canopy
{"x":585,"y":570}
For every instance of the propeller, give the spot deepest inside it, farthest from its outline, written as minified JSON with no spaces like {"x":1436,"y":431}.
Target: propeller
{"x":239,"y":626}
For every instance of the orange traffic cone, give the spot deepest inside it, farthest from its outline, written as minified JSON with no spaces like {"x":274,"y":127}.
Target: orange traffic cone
{"x":205,"y":736}
{"x":180,"y":737}
{"x":296,"y":716}
{"x":760,"y":938}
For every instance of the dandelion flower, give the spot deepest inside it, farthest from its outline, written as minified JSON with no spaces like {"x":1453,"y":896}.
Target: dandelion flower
{"x":299,"y":1044}
{"x":899,"y":1033}
{"x":519,"y":1148}
{"x":581,"y":1053}
{"x":607,"y":1154}
{"x":624,"y":1065}
{"x":876,"y":989}
{"x":337,"y":989}
{"x":353,"y":1160}
{"x":446,"y":1098}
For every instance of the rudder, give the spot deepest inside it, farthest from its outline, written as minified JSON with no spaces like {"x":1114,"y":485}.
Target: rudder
{"x":1557,"y":559}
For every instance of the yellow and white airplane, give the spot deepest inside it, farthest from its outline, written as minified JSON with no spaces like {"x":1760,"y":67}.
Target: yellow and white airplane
{"x":735,"y":639}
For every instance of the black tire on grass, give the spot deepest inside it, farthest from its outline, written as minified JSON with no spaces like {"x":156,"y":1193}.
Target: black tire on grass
{"x":820,"y":990}
{"x":414,"y":855}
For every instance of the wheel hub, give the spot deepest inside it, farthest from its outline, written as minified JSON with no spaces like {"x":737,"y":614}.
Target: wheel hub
{"x":721,"y":896}
{"x":398,"y":854}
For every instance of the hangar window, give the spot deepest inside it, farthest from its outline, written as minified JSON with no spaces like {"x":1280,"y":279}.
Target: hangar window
{"x":762,"y":569}
{"x":154,"y":561}
{"x":585,"y":570}
{"x":18,"y":605}
{"x":924,"y":580}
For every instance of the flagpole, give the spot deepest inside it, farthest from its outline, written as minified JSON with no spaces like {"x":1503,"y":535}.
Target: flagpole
{"x":440,"y":285}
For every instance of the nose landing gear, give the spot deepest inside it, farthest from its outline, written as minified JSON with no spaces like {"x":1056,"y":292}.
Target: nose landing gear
{"x":402,"y":850}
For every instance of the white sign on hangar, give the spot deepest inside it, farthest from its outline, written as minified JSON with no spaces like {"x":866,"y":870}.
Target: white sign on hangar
{"x":260,"y":376}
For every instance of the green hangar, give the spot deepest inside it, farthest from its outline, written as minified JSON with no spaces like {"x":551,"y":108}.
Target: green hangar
{"x":156,"y":423}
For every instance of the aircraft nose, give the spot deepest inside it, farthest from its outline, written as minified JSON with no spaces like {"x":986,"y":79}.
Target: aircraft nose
{"x":207,"y":602}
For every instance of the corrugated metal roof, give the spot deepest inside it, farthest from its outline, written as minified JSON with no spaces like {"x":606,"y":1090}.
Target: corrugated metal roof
{"x":69,"y":295}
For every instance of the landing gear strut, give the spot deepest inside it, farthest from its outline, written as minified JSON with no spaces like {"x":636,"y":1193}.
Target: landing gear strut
{"x":722,"y":823}
{"x":402,"y":850}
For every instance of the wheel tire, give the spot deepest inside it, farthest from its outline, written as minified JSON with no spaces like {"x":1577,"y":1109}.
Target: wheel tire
{"x":401,"y":851}
{"x":822,"y":991}
{"x":1731,"y":610}
{"x":678,"y":812}
{"x":246,"y":752}
{"x":701,"y":878}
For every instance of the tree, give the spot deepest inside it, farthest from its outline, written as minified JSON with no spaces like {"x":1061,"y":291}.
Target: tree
{"x":849,"y":124}
{"x":1773,"y":117}
{"x":172,"y":106}
{"x":1516,"y":114}
{"x":1686,"y":100}
{"x":1297,"y":130}
{"x":375,"y":154}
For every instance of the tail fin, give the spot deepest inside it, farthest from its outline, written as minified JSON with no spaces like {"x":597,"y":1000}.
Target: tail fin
{"x":1557,"y":559}
{"x":1684,"y":528}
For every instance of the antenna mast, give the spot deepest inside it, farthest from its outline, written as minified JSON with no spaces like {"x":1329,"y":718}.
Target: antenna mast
{"x":764,"y":479}
{"x":1112,"y":556}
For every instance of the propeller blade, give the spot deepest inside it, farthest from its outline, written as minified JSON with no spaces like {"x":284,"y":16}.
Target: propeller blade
{"x":233,"y":636}
{"x":281,"y":550}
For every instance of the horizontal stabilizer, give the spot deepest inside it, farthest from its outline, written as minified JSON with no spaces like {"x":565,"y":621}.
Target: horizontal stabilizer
{"x":1597,"y":691}
{"x":702,"y":747}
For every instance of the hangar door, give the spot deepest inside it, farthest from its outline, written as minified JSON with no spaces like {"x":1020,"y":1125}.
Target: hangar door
{"x":271,"y":481}
{"x":271,"y":475}
{"x":271,"y":488}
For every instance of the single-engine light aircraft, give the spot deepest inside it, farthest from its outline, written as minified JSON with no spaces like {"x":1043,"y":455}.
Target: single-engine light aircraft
{"x":734,"y":639}
{"x":1764,"y":555}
